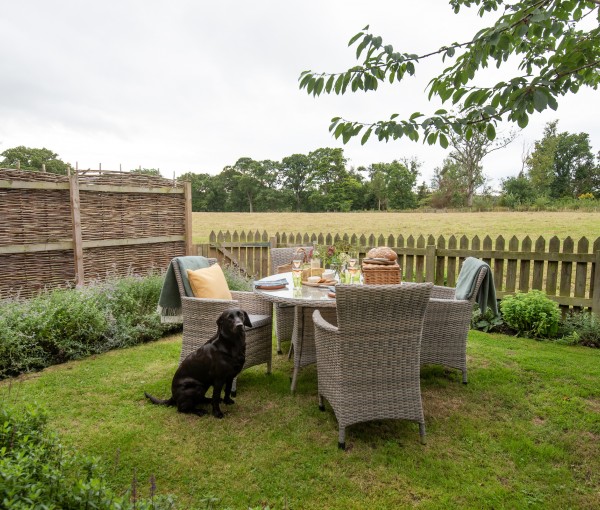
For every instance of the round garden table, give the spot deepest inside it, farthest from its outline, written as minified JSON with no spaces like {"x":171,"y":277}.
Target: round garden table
{"x":305,"y":300}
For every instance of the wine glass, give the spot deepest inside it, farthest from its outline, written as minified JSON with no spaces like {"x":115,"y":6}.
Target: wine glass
{"x":352,"y":265}
{"x":297,"y":271}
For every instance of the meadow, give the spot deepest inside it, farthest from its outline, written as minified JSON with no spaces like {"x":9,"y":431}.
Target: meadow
{"x":562,"y":224}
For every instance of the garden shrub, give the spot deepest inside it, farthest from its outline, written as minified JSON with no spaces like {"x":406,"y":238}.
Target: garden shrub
{"x":66,"y":324}
{"x":582,"y":328}
{"x":37,"y":472}
{"x":531,"y":314}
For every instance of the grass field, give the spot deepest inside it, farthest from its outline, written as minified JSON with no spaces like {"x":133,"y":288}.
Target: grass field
{"x":507,"y":224}
{"x":524,"y":433}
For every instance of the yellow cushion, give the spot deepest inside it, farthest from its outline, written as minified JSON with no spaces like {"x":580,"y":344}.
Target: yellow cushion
{"x":209,"y":282}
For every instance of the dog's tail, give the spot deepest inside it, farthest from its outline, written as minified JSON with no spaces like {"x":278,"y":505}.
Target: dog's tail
{"x":158,"y":401}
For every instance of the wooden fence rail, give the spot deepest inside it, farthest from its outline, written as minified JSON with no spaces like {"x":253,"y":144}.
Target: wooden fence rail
{"x":567,"y":271}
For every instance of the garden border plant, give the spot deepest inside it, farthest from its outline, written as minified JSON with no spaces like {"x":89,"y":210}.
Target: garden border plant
{"x":65,"y":324}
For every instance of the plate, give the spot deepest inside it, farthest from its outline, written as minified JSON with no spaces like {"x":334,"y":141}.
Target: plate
{"x":271,"y":287}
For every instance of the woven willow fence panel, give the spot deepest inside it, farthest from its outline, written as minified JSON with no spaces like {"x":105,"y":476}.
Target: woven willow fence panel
{"x":61,"y":230}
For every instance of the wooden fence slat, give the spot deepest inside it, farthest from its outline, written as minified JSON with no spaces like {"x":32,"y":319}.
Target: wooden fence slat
{"x":525,"y":266}
{"x":581,"y":269}
{"x":410,"y":259}
{"x":487,"y":245}
{"x":439,"y":263}
{"x":464,"y":245}
{"x":566,"y":272}
{"x":499,"y":265}
{"x":420,"y":261}
{"x":451,"y":272}
{"x":538,"y":265}
{"x":552,"y":274}
{"x":511,"y":266}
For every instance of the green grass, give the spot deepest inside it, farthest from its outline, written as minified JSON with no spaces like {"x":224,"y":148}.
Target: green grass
{"x":524,"y":433}
{"x":562,"y":224}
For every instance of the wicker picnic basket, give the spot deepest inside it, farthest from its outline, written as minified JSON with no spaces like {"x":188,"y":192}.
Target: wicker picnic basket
{"x":374,"y":274}
{"x":380,"y":267}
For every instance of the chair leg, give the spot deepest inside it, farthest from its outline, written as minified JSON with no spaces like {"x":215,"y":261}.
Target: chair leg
{"x":464,"y":374}
{"x":294,"y":379}
{"x":422,"y":433}
{"x":321,"y":404}
{"x":342,"y":438}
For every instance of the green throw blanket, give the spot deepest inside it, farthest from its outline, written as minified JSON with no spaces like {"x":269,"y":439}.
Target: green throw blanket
{"x":465,"y":286}
{"x":169,"y":302}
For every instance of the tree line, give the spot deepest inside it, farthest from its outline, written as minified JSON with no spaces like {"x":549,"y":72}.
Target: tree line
{"x":560,"y":166}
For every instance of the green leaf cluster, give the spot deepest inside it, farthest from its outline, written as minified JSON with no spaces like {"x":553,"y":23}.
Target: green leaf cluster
{"x":37,"y":472}
{"x":557,"y":50}
{"x":532,"y":314}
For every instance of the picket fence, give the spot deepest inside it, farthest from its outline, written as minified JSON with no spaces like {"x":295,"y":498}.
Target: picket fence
{"x":567,"y":271}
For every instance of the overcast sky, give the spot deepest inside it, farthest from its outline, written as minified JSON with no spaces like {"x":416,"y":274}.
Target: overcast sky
{"x":193,"y":86}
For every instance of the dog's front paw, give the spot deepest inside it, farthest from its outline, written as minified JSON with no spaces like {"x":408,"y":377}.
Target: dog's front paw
{"x":218,"y":414}
{"x":228,"y":401}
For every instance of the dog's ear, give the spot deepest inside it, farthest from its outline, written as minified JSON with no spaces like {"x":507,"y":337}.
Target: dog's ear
{"x":247,"y":322}
{"x":220,"y":321}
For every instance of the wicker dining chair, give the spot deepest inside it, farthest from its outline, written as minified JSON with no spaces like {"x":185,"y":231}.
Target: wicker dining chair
{"x":284,"y":314}
{"x":368,"y":366}
{"x":200,"y":323}
{"x":447,"y":324}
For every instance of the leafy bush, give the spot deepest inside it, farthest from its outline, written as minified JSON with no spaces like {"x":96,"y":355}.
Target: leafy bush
{"x":532,"y":314}
{"x":37,"y":472}
{"x":65,"y":324}
{"x":582,"y":328}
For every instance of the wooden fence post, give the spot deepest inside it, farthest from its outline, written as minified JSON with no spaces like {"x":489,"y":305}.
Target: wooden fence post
{"x":596,"y":292}
{"x":76,"y":222}
{"x":188,"y":217}
{"x":430,"y":263}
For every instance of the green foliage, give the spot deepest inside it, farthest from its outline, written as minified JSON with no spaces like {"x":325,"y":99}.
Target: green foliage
{"x":582,"y":328}
{"x":531,"y":314}
{"x":557,"y":45}
{"x":37,"y":472}
{"x":562,"y":164}
{"x":66,"y":324}
{"x":487,"y":321}
{"x":517,"y":191}
{"x":33,"y":159}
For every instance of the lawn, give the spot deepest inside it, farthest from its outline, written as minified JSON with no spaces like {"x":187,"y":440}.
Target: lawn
{"x":562,"y":224}
{"x":524,"y":433}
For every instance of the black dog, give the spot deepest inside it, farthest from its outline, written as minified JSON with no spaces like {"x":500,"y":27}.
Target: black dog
{"x":214,"y":364}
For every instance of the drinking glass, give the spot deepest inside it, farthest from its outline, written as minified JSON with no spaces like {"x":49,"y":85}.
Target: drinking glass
{"x":297,"y":271}
{"x":353,"y":266}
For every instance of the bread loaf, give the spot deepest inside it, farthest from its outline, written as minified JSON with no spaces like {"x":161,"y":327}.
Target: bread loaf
{"x":382,"y":252}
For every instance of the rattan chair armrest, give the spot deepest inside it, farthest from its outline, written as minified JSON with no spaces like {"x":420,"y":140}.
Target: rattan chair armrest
{"x":440,"y":292}
{"x":252,"y":303}
{"x":321,"y":323}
